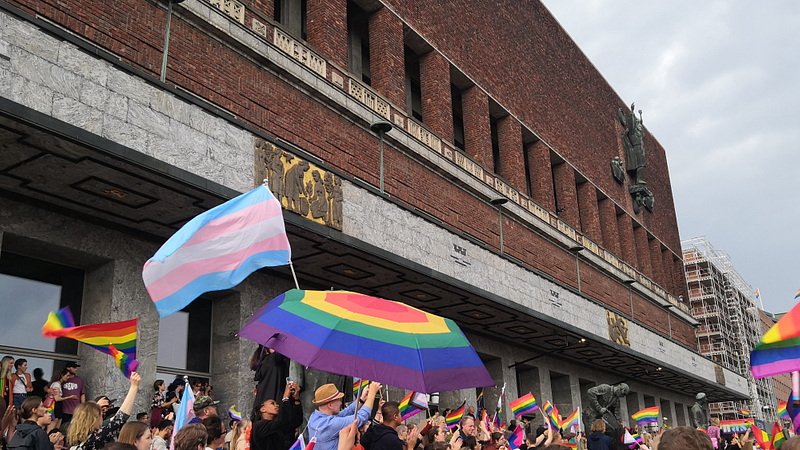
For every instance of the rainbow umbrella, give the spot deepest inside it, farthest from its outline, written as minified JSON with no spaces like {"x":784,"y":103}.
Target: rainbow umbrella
{"x":370,"y":338}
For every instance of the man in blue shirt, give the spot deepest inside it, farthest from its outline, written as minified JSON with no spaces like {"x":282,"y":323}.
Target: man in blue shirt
{"x":329,"y":418}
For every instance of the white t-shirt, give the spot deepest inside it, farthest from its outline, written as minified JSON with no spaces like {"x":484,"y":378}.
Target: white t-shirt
{"x":58,"y":385}
{"x":20,"y":384}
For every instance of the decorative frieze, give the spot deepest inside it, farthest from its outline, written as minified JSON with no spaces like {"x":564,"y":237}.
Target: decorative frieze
{"x":300,"y":52}
{"x":300,"y":186}
{"x":260,"y":28}
{"x":369,"y":99}
{"x":425,"y":136}
{"x":469,"y":165}
{"x":232,"y":8}
{"x":506,"y":190}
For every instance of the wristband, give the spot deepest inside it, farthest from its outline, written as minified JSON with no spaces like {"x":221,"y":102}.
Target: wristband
{"x":285,"y":399}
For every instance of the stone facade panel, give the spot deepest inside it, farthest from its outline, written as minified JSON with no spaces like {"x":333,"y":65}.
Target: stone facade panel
{"x":76,"y":113}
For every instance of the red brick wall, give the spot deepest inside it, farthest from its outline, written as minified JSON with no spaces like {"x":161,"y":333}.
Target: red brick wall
{"x":326,"y":25}
{"x":386,"y":58}
{"x":540,"y":75}
{"x":590,"y":216}
{"x":566,"y":194}
{"x":512,"y":164}
{"x":608,"y":226}
{"x":477,"y":126}
{"x":541,"y":175}
{"x":437,"y":109}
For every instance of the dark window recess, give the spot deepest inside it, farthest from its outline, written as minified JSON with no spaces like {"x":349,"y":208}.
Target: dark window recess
{"x":358,"y":43}
{"x":495,"y":145}
{"x":198,"y":356}
{"x":292,"y":15}
{"x":458,"y":117}
{"x":413,"y":87}
{"x":527,"y":170}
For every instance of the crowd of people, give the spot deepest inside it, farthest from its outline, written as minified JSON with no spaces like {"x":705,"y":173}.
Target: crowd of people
{"x":55,"y":415}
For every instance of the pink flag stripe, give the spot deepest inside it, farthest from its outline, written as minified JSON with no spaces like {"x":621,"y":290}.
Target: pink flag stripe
{"x":236,"y":241}
{"x":176,"y":279}
{"x":244,"y":218}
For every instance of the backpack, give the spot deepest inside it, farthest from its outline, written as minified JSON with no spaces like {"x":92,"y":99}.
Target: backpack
{"x":22,"y":441}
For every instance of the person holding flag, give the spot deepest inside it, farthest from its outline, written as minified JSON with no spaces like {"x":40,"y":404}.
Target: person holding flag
{"x":277,"y":422}
{"x":329,"y":418}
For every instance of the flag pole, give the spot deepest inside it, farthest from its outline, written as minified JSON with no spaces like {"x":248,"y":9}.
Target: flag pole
{"x":291,"y":266}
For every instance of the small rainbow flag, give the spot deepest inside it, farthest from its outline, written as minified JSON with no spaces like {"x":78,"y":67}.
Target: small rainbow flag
{"x":647,"y":415}
{"x":235,"y":415}
{"x":571,"y":420}
{"x":99,"y":336}
{"x":479,"y":399}
{"x":745,"y":412}
{"x":454,"y":417}
{"x":516,"y":438}
{"x":782,"y":411}
{"x":763,"y":438}
{"x":125,"y":363}
{"x":412,"y":404}
{"x":524,"y":405}
{"x":779,"y":349}
{"x":758,"y":294}
{"x":359,"y":385}
{"x":777,"y":436}
{"x":798,"y":294}
{"x":551,"y":412}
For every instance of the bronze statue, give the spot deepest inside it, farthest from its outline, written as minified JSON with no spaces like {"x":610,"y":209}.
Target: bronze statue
{"x":699,"y":415}
{"x":633,"y":141}
{"x":618,"y":169}
{"x":604,"y":404}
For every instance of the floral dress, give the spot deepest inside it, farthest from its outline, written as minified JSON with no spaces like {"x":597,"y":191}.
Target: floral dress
{"x":102,"y":436}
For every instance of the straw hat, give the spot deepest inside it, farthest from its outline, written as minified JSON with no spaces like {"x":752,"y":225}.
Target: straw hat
{"x":326,"y":394}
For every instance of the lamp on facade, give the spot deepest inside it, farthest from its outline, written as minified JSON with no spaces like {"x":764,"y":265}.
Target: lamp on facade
{"x":500,"y":201}
{"x":629,"y":282}
{"x":668,"y":307}
{"x":381,"y":127}
{"x":576,"y":249}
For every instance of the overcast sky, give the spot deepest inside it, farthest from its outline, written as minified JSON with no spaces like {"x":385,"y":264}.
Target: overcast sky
{"x":719,"y":85}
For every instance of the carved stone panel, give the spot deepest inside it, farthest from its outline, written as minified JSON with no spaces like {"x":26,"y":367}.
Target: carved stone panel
{"x":232,"y":8}
{"x":720,"y":374}
{"x":369,"y":99}
{"x":301,"y":187}
{"x":300,"y":53}
{"x":618,"y":329}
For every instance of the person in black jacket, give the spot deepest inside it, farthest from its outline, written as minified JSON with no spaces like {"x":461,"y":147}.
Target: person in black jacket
{"x":29,"y":435}
{"x":383,"y":436}
{"x":278,"y":422}
{"x":598,"y":440}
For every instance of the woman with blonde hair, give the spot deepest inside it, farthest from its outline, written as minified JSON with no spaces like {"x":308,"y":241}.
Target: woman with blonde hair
{"x":87,"y":432}
{"x":239,"y":436}
{"x":6,"y":365}
{"x":137,"y":434}
{"x":714,"y":433}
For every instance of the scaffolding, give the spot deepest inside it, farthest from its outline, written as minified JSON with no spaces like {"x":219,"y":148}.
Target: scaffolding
{"x":730,"y":327}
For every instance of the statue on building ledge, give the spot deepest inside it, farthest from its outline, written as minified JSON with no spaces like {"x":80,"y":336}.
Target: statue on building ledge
{"x":699,"y":415}
{"x":635,"y":159}
{"x":604,"y":404}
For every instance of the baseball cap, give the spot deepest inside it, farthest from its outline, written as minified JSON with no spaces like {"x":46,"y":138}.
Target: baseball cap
{"x":203,"y":401}
{"x":72,"y":364}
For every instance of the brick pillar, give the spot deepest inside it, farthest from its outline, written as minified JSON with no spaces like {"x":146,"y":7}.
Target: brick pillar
{"x":512,"y":162}
{"x":541,"y":175}
{"x":590,"y":216}
{"x":386,"y":55}
{"x":642,"y":251}
{"x":608,"y":225}
{"x":477,"y":127}
{"x":266,"y":7}
{"x":566,"y":194}
{"x":437,"y":103}
{"x":680,"y":280}
{"x":626,"y":244}
{"x":655,"y":262}
{"x":326,"y":27}
{"x":667,"y":267}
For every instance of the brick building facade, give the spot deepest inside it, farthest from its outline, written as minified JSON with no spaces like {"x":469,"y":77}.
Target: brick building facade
{"x":106,"y":156}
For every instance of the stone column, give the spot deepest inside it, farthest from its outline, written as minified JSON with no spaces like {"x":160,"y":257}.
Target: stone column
{"x":575,"y":390}
{"x":437,"y":102}
{"x":477,"y":127}
{"x":667,"y":268}
{"x":386,"y":55}
{"x":626,"y":241}
{"x":541,"y":173}
{"x":655,"y":261}
{"x":97,"y":309}
{"x":326,"y":26}
{"x":566,"y":194}
{"x":545,"y":386}
{"x":587,"y":207}
{"x":512,"y":162}
{"x":642,"y":251}
{"x":608,"y":225}
{"x":225,"y":357}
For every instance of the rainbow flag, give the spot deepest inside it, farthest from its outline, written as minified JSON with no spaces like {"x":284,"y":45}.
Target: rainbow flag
{"x":218,"y":249}
{"x":412,"y":404}
{"x":479,"y":400}
{"x":571,"y":444}
{"x":571,"y":420}
{"x":359,"y":385}
{"x":777,"y":436}
{"x":782,"y":411}
{"x":745,"y":412}
{"x":551,"y":412}
{"x":524,"y":405}
{"x":299,"y":444}
{"x":454,"y":417}
{"x":779,"y":349}
{"x":763,"y":438}
{"x":234,"y":414}
{"x":516,"y":438}
{"x":125,"y":363}
{"x":758,"y":294}
{"x":647,"y":415}
{"x":122,"y":335}
{"x":798,"y":294}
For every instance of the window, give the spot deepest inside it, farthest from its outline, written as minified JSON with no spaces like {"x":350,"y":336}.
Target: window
{"x":358,"y":43}
{"x":184,"y":342}
{"x":292,"y":15}
{"x":495,"y":144}
{"x":29,"y":290}
{"x":413,"y":87}
{"x":458,"y":117}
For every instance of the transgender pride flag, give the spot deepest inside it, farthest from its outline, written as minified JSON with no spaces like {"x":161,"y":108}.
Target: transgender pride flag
{"x":217,"y":250}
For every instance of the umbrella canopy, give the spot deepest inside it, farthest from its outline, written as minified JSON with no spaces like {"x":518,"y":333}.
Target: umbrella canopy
{"x":370,"y":338}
